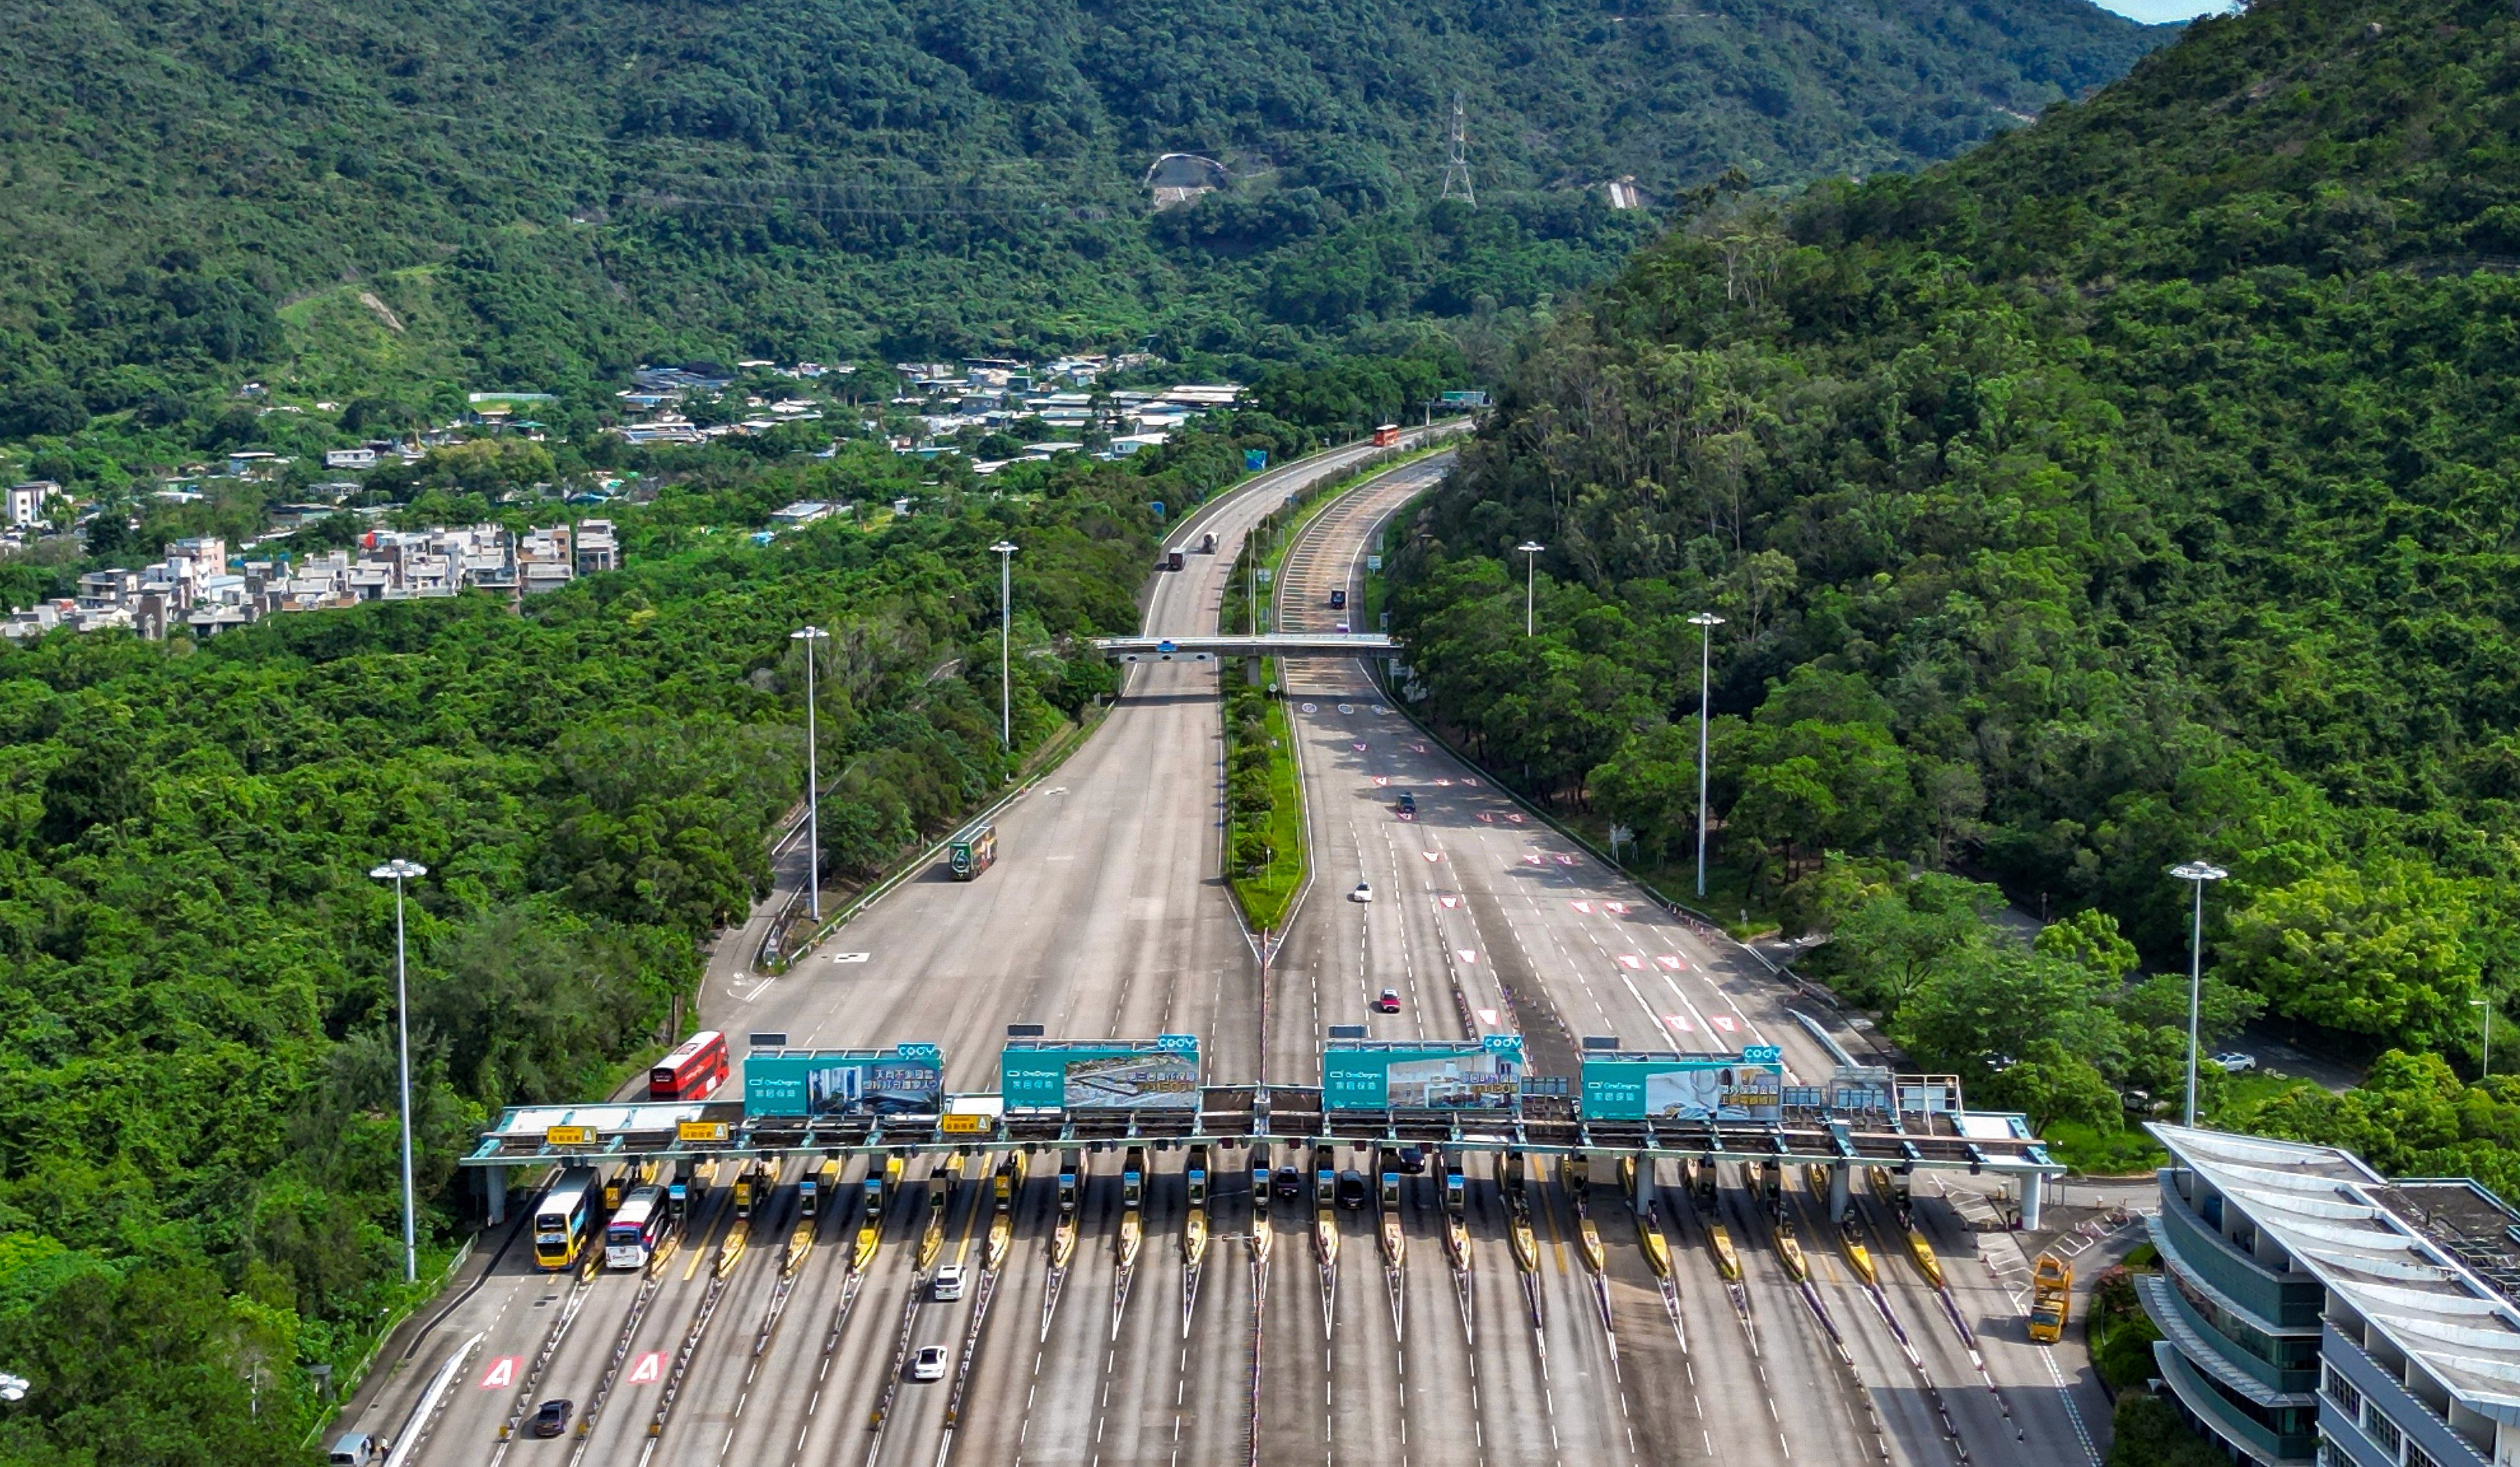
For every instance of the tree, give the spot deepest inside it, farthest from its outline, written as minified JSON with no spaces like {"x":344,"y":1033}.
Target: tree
{"x":1650,"y":785}
{"x":2049,"y":1086}
{"x":2385,"y":948}
{"x":1995,"y":999}
{"x":2088,"y":938}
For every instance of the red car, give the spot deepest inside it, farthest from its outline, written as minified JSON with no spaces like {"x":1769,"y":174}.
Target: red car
{"x":1388,"y":1003}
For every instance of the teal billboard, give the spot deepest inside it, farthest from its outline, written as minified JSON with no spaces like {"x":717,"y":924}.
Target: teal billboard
{"x":907,"y":1079}
{"x":1447,"y":1075}
{"x":1101,"y":1074}
{"x":1668,"y":1086}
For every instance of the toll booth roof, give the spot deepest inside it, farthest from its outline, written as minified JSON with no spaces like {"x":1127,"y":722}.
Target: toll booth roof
{"x":1679,"y":1056}
{"x":823,"y":1054}
{"x":1133,"y":1046}
{"x":1993,"y":1126}
{"x":606,"y":1120}
{"x":1413,"y":1046}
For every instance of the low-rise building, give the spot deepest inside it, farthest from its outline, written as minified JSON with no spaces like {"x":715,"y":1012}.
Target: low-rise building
{"x":27,"y":501}
{"x":2313,"y":1310}
{"x":802,"y":513}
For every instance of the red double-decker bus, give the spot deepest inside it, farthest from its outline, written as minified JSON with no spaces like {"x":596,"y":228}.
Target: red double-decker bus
{"x":692,"y":1071}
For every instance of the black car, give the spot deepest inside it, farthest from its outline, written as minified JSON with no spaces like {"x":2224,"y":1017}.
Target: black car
{"x":1413,"y":1161}
{"x":1352,"y":1190}
{"x":1290,"y":1182}
{"x":1408,"y":804}
{"x":551,"y":1418}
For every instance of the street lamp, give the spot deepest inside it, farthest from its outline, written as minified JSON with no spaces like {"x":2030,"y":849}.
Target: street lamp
{"x":2199,"y":873}
{"x":1705,"y":623}
{"x":809,"y":635}
{"x":400,"y":871}
{"x":1530,"y":574}
{"x":2485,"y":1033}
{"x":1005,"y":550}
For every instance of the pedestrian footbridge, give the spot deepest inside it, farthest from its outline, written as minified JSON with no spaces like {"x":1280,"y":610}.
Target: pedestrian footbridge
{"x":1274,"y":644}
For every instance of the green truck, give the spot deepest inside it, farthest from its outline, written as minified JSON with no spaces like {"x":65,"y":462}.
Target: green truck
{"x":973,"y":851}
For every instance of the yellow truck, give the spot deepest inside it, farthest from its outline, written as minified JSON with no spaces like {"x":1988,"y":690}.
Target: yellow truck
{"x":2051,"y":1298}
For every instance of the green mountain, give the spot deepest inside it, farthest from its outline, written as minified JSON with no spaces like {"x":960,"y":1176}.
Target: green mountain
{"x":537,"y":194}
{"x":2138,"y":487}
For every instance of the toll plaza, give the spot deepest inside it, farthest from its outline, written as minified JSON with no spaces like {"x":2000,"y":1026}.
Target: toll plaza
{"x":1464,"y":1096}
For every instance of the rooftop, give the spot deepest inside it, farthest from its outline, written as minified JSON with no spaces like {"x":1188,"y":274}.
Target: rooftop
{"x":2394,"y":1254}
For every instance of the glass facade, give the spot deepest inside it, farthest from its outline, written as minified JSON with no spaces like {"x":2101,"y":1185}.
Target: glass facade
{"x":2285,"y":1352}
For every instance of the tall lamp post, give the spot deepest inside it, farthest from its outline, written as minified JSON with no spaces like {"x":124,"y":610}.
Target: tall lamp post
{"x":400,"y":871}
{"x":2485,"y":1034}
{"x":809,"y":635}
{"x":1530,"y":577}
{"x":2197,"y":873}
{"x":1005,"y":550}
{"x":1705,"y":623}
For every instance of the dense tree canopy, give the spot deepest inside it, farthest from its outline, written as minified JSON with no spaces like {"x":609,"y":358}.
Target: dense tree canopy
{"x":2137,"y":487}
{"x":381,"y":198}
{"x":198,"y":1140}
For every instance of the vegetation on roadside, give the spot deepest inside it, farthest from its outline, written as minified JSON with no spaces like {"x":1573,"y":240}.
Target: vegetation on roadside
{"x":2132,"y":490}
{"x":199,"y":1193}
{"x":1264,"y":801}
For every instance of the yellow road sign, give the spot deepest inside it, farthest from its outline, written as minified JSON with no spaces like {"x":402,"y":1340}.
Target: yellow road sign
{"x":962,"y":1126}
{"x":700,"y":1130}
{"x":569,"y":1135}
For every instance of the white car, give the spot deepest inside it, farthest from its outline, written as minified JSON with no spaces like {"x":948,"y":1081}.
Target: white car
{"x":928,"y":1364}
{"x":949,"y":1283}
{"x":1364,"y":891}
{"x":2234,"y":1062}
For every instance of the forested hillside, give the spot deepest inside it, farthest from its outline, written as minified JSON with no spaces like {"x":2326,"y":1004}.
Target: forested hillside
{"x":197,"y":1171}
{"x":537,"y":195}
{"x":2140,"y":486}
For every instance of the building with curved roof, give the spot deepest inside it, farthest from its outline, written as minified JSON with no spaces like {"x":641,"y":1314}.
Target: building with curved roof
{"x":2313,"y":1310}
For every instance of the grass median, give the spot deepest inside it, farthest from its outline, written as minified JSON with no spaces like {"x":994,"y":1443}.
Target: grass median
{"x":1265,"y":797}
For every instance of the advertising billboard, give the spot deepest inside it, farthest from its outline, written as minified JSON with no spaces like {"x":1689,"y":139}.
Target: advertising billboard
{"x":1102,"y":1075}
{"x":1667,"y":1087}
{"x":905,"y":1080}
{"x":1445,"y":1074}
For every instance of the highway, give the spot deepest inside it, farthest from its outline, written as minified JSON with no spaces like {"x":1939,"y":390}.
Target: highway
{"x":1103,"y":917}
{"x":1486,"y":920}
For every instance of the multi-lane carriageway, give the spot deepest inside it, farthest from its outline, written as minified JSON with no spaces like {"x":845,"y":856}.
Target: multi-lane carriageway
{"x":1103,"y":918}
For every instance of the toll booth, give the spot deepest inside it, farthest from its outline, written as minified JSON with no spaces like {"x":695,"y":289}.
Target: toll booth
{"x":1771,"y":1189}
{"x":617,"y":1184}
{"x":1702,"y":1181}
{"x":1072,"y":1180}
{"x":1389,"y":1164}
{"x":1009,"y":1177}
{"x":1325,"y":1175}
{"x":822,"y":1181}
{"x":1194,"y":1177}
{"x":870,"y":1195}
{"x":1456,"y":1190}
{"x":678,"y":1194}
{"x":747,"y":1188}
{"x":1133,"y":1177}
{"x":1514,"y":1170}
